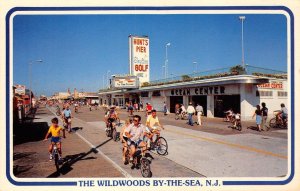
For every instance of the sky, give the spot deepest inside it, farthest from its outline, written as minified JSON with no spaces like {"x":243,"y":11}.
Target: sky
{"x":78,"y":50}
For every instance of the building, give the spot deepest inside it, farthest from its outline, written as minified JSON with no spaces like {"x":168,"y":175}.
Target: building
{"x":215,"y":92}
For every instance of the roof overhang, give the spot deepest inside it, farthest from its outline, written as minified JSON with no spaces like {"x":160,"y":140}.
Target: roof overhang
{"x":237,"y":79}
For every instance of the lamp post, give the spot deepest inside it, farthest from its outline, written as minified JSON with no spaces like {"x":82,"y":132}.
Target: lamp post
{"x":166,"y":61}
{"x":108,"y":71}
{"x":164,"y":71}
{"x":30,"y":68}
{"x":242,"y":19}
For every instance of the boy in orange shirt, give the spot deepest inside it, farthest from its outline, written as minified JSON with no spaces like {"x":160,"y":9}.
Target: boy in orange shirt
{"x":55,"y":130}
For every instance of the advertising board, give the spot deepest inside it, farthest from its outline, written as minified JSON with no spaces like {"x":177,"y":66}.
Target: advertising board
{"x":139,"y":57}
{"x":125,"y":82}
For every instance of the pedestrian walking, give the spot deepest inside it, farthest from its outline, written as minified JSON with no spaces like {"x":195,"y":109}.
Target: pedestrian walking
{"x":190,"y":110}
{"x":141,"y":106}
{"x":199,"y":110}
{"x":165,"y":108}
{"x":257,"y":113}
{"x":264,"y":112}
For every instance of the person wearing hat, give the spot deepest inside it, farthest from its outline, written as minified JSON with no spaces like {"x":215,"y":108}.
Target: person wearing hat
{"x":111,"y":115}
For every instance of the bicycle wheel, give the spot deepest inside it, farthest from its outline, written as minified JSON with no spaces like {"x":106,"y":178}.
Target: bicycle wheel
{"x":161,"y":146}
{"x":108,"y":132}
{"x":114,"y":135}
{"x":272,"y":123}
{"x":239,"y":126}
{"x":145,"y":168}
{"x":56,"y":161}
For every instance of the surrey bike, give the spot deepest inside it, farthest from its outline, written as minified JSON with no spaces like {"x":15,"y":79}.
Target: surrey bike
{"x":139,"y":161}
{"x":159,"y":144}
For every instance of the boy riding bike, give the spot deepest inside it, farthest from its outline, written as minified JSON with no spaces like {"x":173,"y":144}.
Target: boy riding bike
{"x":152,"y":124}
{"x":55,"y":131}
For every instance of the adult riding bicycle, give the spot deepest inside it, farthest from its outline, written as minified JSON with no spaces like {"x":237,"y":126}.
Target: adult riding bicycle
{"x":276,"y":122}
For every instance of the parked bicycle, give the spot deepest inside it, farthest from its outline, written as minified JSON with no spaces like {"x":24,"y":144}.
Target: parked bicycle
{"x":139,"y":161}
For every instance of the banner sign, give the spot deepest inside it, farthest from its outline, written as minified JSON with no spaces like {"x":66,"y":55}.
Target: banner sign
{"x":125,"y":82}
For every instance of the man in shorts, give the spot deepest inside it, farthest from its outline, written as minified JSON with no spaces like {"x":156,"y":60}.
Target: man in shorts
{"x":135,"y":133}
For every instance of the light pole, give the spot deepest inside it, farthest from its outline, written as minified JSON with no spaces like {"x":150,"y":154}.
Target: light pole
{"x":164,"y":71}
{"x":108,"y":71}
{"x":30,"y":68}
{"x":242,"y":18}
{"x":166,"y":61}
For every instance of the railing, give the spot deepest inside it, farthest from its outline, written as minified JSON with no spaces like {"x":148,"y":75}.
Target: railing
{"x":222,"y":72}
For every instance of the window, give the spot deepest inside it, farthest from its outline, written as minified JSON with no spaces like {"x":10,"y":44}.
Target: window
{"x":264,"y":93}
{"x":144,"y":94}
{"x":156,"y":93}
{"x":282,"y":94}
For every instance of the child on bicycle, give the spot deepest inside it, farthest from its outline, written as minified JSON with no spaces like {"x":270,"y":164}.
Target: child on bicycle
{"x":124,"y":138}
{"x":55,"y":131}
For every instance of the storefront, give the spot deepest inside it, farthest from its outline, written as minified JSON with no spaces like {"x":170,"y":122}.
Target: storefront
{"x":241,"y":93}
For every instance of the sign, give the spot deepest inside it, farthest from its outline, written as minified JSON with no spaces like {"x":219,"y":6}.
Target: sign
{"x":125,"y":82}
{"x":271,"y":85}
{"x":206,"y":90}
{"x":20,"y":89}
{"x":139,"y":57}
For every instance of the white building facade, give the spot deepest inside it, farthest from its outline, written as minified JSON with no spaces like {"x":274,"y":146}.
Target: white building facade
{"x":240,"y":92}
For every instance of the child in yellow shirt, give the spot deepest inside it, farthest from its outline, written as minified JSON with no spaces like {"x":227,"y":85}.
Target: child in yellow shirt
{"x":55,"y":130}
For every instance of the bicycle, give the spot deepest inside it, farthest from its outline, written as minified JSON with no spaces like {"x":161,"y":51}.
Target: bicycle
{"x":110,"y":128}
{"x":236,"y":119}
{"x":275,"y":122}
{"x":160,"y":144}
{"x":67,"y":123}
{"x":115,"y":134}
{"x":139,"y":160}
{"x":57,"y":157}
{"x":231,"y":117}
{"x":182,"y":115}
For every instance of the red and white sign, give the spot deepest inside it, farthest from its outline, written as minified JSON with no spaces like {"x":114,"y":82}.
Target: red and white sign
{"x":271,"y":85}
{"x":20,"y":89}
{"x":139,"y":57}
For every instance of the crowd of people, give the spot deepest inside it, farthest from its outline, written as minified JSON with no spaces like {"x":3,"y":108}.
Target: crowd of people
{"x":134,"y":134}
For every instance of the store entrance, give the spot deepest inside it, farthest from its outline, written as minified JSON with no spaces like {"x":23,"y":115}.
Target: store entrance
{"x":175,"y":100}
{"x":202,"y":100}
{"x":225,"y":102}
